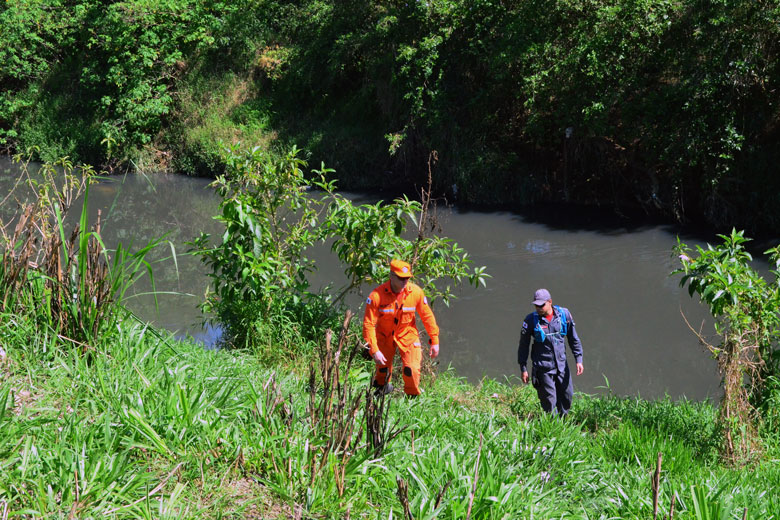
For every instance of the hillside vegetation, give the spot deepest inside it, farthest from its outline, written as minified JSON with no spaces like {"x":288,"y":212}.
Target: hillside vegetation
{"x":643,"y":106}
{"x":143,"y":426}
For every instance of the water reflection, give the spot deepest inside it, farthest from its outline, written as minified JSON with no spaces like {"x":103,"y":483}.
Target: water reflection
{"x":615,"y":281}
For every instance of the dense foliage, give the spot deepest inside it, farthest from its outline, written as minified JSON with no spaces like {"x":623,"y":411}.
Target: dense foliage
{"x":658,"y":104}
{"x":97,"y":80}
{"x":652,"y":105}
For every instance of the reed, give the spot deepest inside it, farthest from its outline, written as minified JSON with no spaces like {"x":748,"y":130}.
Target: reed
{"x":64,"y":276}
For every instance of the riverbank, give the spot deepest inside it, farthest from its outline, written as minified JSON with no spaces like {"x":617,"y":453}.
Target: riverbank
{"x":144,"y":426}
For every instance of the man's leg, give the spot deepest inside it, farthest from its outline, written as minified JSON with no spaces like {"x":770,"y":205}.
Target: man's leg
{"x":564,"y":389}
{"x":544,"y":382}
{"x":383,"y":373}
{"x":411,"y":357}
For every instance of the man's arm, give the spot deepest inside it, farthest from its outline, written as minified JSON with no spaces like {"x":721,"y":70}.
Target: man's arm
{"x":574,"y":343}
{"x":522,"y":350}
{"x":370,"y":318}
{"x":429,"y":322}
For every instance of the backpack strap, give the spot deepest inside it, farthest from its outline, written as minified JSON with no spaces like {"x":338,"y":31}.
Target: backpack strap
{"x":564,"y":320}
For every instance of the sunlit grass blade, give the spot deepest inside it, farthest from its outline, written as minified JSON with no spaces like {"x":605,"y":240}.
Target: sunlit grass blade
{"x":145,"y":429}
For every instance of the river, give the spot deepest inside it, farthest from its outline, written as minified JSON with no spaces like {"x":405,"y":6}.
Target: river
{"x":615,"y":280}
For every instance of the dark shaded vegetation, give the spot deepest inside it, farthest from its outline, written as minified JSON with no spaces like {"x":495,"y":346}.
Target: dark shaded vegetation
{"x":644,"y":107}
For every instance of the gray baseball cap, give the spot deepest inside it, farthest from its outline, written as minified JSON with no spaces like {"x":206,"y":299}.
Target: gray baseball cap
{"x":541,"y":296}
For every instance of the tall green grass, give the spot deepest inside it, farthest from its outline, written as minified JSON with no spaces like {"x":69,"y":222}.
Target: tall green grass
{"x":149,"y":427}
{"x":137,"y":425}
{"x":96,"y":436}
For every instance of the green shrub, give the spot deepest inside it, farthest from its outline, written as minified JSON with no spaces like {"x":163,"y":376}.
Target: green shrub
{"x":746,"y":308}
{"x":272,"y":216}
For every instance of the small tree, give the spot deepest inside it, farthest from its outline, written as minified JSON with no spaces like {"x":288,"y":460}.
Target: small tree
{"x":366,"y":238}
{"x":270,"y":221}
{"x":745,"y":308}
{"x":272,"y":216}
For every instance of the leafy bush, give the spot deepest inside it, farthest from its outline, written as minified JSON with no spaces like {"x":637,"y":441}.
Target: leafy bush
{"x":113,"y":67}
{"x":273,"y":214}
{"x":746,"y":308}
{"x":259,"y":269}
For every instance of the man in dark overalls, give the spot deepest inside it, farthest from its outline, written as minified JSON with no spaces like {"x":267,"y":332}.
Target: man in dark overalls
{"x":548,"y":327}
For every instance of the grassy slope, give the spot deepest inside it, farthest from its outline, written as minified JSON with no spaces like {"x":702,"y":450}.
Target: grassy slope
{"x":143,"y":427}
{"x":213,"y":113}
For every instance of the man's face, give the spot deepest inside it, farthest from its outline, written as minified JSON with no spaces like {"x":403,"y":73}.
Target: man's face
{"x":545,"y":309}
{"x":397,"y":284}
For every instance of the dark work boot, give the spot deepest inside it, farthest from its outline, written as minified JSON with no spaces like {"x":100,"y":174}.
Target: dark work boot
{"x":383,"y":390}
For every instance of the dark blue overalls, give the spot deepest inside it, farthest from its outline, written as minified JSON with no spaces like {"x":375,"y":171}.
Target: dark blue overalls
{"x":550,"y":371}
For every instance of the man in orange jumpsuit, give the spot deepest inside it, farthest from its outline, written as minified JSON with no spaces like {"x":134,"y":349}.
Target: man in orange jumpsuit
{"x":389,"y":323}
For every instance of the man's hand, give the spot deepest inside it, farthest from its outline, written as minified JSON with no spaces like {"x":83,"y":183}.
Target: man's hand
{"x":434,"y":351}
{"x":525,"y":377}
{"x":379,"y":358}
{"x":580,"y":369}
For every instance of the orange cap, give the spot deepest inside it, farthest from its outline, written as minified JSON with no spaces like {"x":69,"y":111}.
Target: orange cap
{"x":401,"y":269}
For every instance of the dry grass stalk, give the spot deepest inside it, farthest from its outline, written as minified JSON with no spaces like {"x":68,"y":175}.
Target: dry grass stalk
{"x":64,"y":281}
{"x":656,"y":485}
{"x":378,"y":430}
{"x":441,"y":494}
{"x":403,"y":496}
{"x":476,"y":477}
{"x":334,"y":413}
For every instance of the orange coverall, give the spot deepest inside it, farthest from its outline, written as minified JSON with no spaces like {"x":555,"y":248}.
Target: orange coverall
{"x":389,"y":323}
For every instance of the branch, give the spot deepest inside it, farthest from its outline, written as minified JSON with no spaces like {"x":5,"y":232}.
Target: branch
{"x":702,"y":341}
